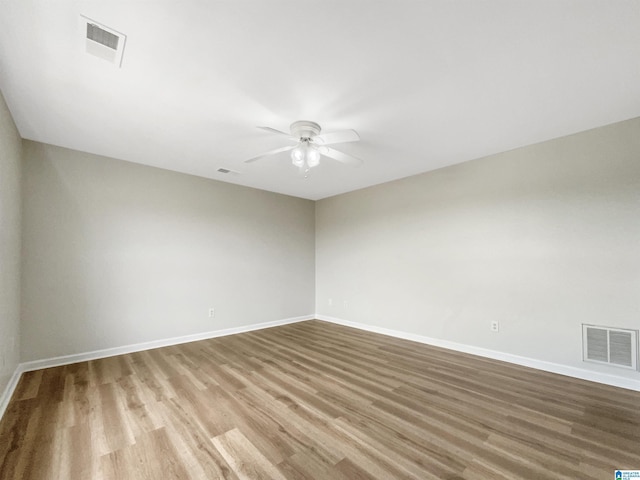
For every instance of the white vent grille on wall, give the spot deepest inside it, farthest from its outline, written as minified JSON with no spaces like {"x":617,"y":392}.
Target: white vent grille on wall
{"x":102,"y":41}
{"x":613,"y":346}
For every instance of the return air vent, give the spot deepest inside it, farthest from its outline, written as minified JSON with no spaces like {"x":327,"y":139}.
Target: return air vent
{"x":101,"y":41}
{"x":613,"y":346}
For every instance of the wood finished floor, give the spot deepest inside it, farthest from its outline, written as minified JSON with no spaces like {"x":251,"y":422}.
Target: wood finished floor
{"x":313,"y":400}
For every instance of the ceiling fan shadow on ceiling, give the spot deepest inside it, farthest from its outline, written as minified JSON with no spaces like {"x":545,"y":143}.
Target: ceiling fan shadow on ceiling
{"x":310,"y":146}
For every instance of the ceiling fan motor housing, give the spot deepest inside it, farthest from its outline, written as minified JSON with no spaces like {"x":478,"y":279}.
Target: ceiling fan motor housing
{"x":304,"y":129}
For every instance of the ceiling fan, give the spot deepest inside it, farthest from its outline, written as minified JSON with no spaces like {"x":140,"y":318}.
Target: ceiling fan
{"x":310,"y":145}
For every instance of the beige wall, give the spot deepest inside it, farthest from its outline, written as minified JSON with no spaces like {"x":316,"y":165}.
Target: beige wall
{"x":10,"y":218}
{"x":542,"y":239}
{"x":117,"y":253}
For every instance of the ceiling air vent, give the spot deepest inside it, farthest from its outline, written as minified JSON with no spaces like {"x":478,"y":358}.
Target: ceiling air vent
{"x":100,"y":35}
{"x":226,"y":170}
{"x":613,"y":346}
{"x":101,"y":41}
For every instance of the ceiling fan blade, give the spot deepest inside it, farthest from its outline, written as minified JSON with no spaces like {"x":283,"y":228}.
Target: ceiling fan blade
{"x":278,"y":132}
{"x":272,"y":152}
{"x":342,"y":136}
{"x":340,"y":157}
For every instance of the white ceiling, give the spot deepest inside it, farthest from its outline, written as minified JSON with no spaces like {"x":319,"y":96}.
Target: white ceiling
{"x":425,"y":83}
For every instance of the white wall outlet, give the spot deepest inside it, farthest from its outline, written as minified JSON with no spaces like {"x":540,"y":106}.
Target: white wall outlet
{"x":495,"y":326}
{"x":330,"y":302}
{"x":212,"y":312}
{"x":346,"y":304}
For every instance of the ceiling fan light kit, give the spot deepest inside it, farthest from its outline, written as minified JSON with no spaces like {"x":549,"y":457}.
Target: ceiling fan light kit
{"x":311,"y":145}
{"x":305,"y":155}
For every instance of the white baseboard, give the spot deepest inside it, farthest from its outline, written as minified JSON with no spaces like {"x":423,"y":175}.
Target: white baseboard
{"x":138,"y":347}
{"x":580,"y":373}
{"x":598,"y":377}
{"x":8,"y":390}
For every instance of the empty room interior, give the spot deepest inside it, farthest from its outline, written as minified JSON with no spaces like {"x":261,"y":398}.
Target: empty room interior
{"x":319,"y":240}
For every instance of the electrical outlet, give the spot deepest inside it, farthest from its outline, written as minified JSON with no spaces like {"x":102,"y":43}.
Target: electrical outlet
{"x":330,"y":302}
{"x":495,"y":326}
{"x":346,"y":304}
{"x":212,"y":312}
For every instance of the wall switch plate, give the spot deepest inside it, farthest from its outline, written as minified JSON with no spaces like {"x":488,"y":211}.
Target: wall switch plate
{"x":495,"y":326}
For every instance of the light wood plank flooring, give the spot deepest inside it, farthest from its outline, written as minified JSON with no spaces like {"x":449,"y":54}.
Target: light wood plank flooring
{"x":313,"y":400}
